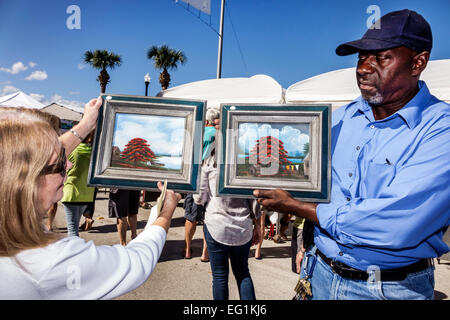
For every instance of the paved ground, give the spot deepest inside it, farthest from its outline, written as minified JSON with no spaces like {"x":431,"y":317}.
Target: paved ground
{"x":175,"y":278}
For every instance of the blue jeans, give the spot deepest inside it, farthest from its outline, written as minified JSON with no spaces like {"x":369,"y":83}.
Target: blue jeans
{"x":73,"y":215}
{"x":327,"y":285}
{"x":238,"y":256}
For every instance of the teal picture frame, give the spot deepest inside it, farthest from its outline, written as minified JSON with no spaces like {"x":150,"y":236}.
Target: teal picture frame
{"x":244,"y":144}
{"x":123,"y":116}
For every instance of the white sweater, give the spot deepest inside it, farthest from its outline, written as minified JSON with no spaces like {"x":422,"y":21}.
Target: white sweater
{"x":72,"y":268}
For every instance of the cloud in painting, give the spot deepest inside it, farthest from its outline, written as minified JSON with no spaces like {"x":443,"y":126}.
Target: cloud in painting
{"x":165,"y":135}
{"x":293,"y":136}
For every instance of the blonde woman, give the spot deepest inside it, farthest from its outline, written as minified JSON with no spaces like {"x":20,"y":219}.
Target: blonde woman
{"x":38,"y":264}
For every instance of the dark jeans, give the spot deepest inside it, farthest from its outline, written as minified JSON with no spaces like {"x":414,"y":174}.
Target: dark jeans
{"x":238,"y":255}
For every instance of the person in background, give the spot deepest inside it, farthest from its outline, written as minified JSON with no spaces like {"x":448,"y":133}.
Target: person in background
{"x":390,"y":179}
{"x":232,"y":226}
{"x":38,"y":264}
{"x":124,"y":206}
{"x":262,"y":225}
{"x":77,"y":195}
{"x":88,"y":214}
{"x":297,"y":249}
{"x":193,"y":212}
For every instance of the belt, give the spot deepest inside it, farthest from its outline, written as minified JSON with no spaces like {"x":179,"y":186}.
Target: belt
{"x":384,"y":275}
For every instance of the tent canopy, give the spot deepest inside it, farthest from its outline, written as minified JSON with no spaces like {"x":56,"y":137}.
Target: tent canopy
{"x":62,"y":112}
{"x":20,"y":99}
{"x":256,"y":89}
{"x":339,"y":87}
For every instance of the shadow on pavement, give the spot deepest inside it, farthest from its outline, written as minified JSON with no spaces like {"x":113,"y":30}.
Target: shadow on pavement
{"x":108,"y":228}
{"x":439,"y":295}
{"x":273,"y":252}
{"x":177,"y":222}
{"x":173,"y":250}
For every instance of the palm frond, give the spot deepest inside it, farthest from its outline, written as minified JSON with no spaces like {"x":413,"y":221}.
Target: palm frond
{"x":102,"y":59}
{"x":165,"y":57}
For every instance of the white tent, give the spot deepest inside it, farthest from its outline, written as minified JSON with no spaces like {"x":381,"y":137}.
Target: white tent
{"x":256,"y":89}
{"x":339,"y":87}
{"x":20,"y":99}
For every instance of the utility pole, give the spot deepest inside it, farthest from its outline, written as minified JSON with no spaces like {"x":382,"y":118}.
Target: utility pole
{"x":219,"y":58}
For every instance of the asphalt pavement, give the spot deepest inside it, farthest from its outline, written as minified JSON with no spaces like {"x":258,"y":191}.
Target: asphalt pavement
{"x":176,"y":278}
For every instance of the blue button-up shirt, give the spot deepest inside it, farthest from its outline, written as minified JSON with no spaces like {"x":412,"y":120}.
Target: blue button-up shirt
{"x":390,"y":190}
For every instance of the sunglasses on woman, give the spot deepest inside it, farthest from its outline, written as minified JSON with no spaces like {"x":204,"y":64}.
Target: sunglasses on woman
{"x":59,"y":166}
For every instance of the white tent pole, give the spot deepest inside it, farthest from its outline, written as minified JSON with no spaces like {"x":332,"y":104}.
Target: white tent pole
{"x":219,"y":58}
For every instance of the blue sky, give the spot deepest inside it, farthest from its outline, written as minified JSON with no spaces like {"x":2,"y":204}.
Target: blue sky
{"x":289,"y":40}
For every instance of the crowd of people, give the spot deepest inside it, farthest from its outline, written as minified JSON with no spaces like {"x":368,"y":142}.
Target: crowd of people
{"x":375,"y":239}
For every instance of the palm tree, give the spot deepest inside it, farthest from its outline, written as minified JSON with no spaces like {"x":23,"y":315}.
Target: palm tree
{"x":102,"y":59}
{"x":165,"y":58}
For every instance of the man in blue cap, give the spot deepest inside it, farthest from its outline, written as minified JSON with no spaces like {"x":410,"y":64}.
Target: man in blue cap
{"x":390,"y":186}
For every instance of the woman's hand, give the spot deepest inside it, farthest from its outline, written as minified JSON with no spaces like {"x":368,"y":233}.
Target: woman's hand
{"x":169,"y":205}
{"x":83,"y":128}
{"x":90,"y":115}
{"x":170,"y":201}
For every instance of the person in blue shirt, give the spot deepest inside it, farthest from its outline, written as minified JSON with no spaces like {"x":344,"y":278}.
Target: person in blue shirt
{"x":390,"y":184}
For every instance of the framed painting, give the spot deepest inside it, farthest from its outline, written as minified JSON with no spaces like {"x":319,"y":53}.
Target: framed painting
{"x":275,"y":146}
{"x":142,"y":140}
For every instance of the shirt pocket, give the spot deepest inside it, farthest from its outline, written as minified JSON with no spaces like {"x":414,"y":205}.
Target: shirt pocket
{"x":377,"y":178}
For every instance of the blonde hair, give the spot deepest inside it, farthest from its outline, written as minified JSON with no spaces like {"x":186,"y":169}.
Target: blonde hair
{"x":30,"y":114}
{"x":27,"y":142}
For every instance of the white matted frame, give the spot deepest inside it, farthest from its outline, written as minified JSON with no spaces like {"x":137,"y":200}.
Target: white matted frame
{"x":102,"y":172}
{"x":313,"y":184}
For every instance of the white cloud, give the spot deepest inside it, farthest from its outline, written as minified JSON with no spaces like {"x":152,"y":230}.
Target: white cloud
{"x":9,"y":89}
{"x":165,"y":135}
{"x":15,"y":68}
{"x":32,"y":64}
{"x":38,"y":97}
{"x":293,"y":138}
{"x":37,"y":75}
{"x":73,"y":104}
{"x":81,"y":66}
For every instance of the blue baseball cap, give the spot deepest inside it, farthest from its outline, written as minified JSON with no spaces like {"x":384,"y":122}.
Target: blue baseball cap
{"x":398,"y":28}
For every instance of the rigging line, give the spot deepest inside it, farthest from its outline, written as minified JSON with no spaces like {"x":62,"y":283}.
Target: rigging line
{"x":237,"y":40}
{"x":198,"y":17}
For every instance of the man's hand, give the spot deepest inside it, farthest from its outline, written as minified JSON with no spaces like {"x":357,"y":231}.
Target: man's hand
{"x":275,"y":200}
{"x":281,"y":201}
